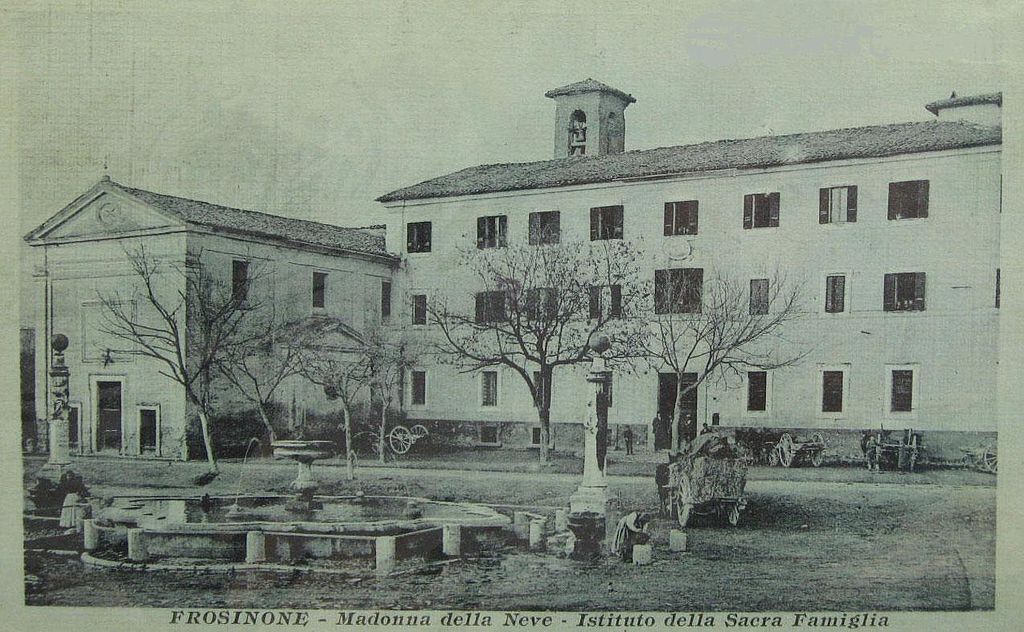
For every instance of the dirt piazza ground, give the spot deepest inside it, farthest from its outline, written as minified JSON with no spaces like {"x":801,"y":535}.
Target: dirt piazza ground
{"x":831,"y":539}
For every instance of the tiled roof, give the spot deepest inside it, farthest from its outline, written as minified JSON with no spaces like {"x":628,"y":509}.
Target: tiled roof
{"x":588,"y":85}
{"x":749,"y":153}
{"x":974,"y":99}
{"x":261,"y":224}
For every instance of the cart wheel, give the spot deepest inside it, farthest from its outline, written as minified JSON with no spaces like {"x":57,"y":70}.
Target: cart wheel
{"x":818,"y":457}
{"x":419,"y":431}
{"x":990,"y":460}
{"x":819,"y":438}
{"x":400,"y":439}
{"x":683,"y":511}
{"x":786,"y":450}
{"x":734,"y":514}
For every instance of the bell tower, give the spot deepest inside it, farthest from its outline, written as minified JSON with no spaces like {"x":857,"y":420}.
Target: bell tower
{"x":589,"y":119}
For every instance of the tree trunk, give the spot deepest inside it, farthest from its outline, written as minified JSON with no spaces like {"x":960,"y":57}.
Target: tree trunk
{"x":544,"y":412}
{"x":271,"y":435}
{"x":679,"y":418}
{"x":350,"y":468}
{"x":383,"y":426}
{"x":204,"y":424}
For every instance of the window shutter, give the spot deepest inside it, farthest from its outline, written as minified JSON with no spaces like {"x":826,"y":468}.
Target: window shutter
{"x":773,"y":209}
{"x":535,"y":229}
{"x":481,"y":308}
{"x":748,"y":211}
{"x":502,"y":229}
{"x":919,"y":290}
{"x":922,"y":198}
{"x":851,"y":204}
{"x":692,"y":219}
{"x":595,"y":223}
{"x":669,"y":213}
{"x":829,"y":293}
{"x":595,"y":301}
{"x":619,"y":225}
{"x":481,"y":231}
{"x":839,"y":300}
{"x":659,"y":291}
{"x":889,"y":289}
{"x":894,"y":195}
{"x":823,"y":205}
{"x":616,"y":306}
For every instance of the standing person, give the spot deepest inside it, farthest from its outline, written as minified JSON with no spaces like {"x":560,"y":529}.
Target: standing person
{"x":659,"y":429}
{"x":627,"y":436}
{"x":632,"y":529}
{"x":873,"y":451}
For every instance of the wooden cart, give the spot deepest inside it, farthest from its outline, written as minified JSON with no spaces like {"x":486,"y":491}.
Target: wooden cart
{"x":705,"y":485}
{"x":900,"y":455}
{"x":788,"y":451}
{"x":983,"y":458}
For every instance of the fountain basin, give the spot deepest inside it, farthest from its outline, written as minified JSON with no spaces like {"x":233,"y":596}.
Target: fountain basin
{"x":263,"y":529}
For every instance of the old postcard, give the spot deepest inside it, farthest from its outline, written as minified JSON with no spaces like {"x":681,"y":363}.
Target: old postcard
{"x":626,"y":316}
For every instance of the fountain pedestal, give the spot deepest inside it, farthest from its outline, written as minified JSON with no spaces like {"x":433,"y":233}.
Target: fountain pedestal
{"x":588,"y":505}
{"x":303,"y":453}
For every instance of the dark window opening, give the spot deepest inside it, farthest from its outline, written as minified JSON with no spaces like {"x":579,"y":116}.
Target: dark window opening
{"x":74,"y":429}
{"x":545,"y":228}
{"x":148,"y":430}
{"x":490,"y":307}
{"x":605,"y":300}
{"x":535,"y":436}
{"x":418,"y":237}
{"x":681,"y":218}
{"x":605,"y":223}
{"x":902,"y":391}
{"x":835,"y":294}
{"x":385,"y":300}
{"x":419,"y":309}
{"x":541,"y":304}
{"x":757,"y":391}
{"x":239,"y":280}
{"x":837,"y":205}
{"x":678,"y":290}
{"x":578,"y":133}
{"x":908,"y":200}
{"x":419,"y":388}
{"x":760,"y":210}
{"x":904,"y":291}
{"x":319,"y":288}
{"x":489,"y":434}
{"x":489,"y":388}
{"x":832,"y":391}
{"x":491,"y":231}
{"x":758,"y":297}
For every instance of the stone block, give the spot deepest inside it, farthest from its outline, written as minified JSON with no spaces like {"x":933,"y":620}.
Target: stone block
{"x":451,"y":540}
{"x":676,"y":540}
{"x":642,"y":554}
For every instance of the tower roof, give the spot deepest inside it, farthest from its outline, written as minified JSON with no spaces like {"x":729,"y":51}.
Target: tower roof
{"x":588,"y":85}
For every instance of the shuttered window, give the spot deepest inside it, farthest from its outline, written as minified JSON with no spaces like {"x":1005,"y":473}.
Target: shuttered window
{"x":757,"y":391}
{"x":680,"y":218}
{"x":908,"y":200}
{"x":758,"y":296}
{"x":837,"y":205}
{"x":491,"y":231}
{"x":904,"y":291}
{"x":319,"y":289}
{"x":489,"y":388}
{"x":902,"y":391}
{"x":385,"y":300}
{"x":419,"y":309}
{"x":239,"y":280}
{"x":835,"y":294}
{"x":545,"y":228}
{"x":678,"y":290}
{"x":831,"y":391}
{"x":419,"y":388}
{"x":761,"y":210}
{"x":541,"y":304}
{"x":490,"y":307}
{"x":605,"y":223}
{"x":605,"y":300}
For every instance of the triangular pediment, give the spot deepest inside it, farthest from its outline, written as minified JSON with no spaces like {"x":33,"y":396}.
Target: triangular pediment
{"x":104,"y":212}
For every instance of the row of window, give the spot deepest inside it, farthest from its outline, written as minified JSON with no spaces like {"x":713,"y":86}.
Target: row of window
{"x":833,"y":385}
{"x":240,"y":284}
{"x":900,"y":390}
{"x":908,"y":199}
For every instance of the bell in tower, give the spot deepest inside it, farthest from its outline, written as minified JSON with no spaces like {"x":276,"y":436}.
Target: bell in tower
{"x":589,"y":119}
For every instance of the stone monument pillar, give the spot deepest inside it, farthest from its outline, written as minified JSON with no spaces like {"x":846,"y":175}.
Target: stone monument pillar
{"x":59,"y":377}
{"x":588,"y":505}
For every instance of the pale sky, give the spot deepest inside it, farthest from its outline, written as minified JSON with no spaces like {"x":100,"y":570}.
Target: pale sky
{"x":314,"y":109}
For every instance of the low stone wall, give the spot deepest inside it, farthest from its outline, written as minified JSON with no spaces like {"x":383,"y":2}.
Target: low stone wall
{"x":425,"y":543}
{"x":209,"y":545}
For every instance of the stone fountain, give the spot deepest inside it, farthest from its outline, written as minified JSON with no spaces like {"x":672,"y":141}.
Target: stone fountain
{"x":303,"y":453}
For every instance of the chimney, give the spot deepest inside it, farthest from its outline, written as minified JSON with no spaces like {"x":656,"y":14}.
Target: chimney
{"x":983,"y":109}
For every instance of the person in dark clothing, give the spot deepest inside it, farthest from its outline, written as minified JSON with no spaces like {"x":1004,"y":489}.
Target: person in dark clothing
{"x":627,"y":436}
{"x":632,"y":529}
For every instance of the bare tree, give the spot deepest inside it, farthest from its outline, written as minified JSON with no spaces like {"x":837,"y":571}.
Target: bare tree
{"x":182,"y":316}
{"x":342,"y":370}
{"x":720,"y":326}
{"x":538,"y":308}
{"x":257,"y":370}
{"x":389,"y":355}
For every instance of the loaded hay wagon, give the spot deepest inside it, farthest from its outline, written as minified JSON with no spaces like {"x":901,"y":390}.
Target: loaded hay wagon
{"x":705,"y":485}
{"x":984,"y":458}
{"x":788,"y":451}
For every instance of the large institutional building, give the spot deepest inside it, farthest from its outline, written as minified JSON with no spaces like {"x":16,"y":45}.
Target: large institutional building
{"x":892,"y":231}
